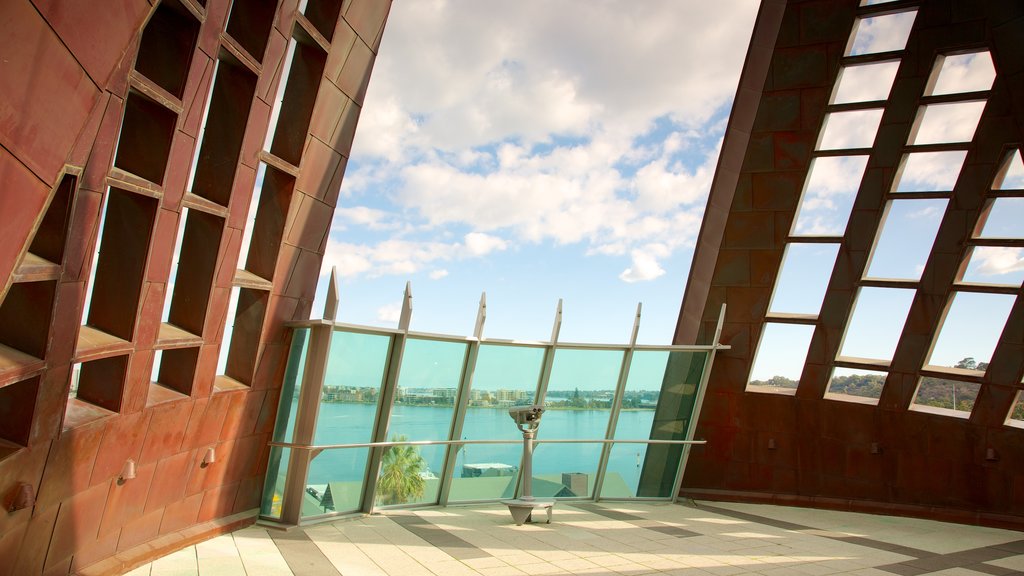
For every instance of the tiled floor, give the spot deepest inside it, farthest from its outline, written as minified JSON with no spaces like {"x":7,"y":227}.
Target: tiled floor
{"x":609,"y":538}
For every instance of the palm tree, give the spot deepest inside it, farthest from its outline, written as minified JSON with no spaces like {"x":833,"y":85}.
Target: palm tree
{"x":401,"y":477}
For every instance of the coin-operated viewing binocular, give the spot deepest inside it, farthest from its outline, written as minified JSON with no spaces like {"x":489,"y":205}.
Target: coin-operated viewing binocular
{"x":526,"y":417}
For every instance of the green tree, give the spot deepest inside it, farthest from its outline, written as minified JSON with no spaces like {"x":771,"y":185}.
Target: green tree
{"x":401,"y":477}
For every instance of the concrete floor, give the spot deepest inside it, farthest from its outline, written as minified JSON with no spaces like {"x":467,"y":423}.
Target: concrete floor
{"x":608,"y":538}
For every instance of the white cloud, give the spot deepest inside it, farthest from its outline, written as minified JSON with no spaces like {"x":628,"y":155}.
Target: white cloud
{"x":536,"y":128}
{"x":479,"y":244}
{"x":391,"y":313}
{"x":998,"y":260}
{"x":645,"y":267}
{"x":438,"y":274}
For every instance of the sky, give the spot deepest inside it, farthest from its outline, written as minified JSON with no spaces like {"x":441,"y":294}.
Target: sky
{"x":535,"y":151}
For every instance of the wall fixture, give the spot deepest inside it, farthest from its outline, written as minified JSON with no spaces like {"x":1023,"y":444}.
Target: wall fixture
{"x":127,"y":471}
{"x":991,"y":454}
{"x":771,"y":444}
{"x":875,"y":448}
{"x":22,"y":497}
{"x":209,"y":458}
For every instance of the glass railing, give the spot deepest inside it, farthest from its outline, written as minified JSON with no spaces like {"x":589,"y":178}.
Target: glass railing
{"x":372,"y":417}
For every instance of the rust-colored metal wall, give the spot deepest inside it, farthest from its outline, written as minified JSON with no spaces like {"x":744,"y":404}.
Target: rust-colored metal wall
{"x":71,"y":81}
{"x":803,"y":449}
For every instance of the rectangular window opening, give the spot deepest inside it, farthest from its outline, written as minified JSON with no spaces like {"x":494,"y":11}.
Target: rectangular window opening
{"x":994,"y":266}
{"x":929,"y":171}
{"x":101,"y":382}
{"x":876,"y":323}
{"x":1016,"y":416}
{"x":49,"y":240}
{"x":884,"y":33}
{"x":856,"y":385}
{"x":120,"y":264}
{"x":947,"y":123}
{"x":945,"y":397}
{"x":267,"y":229}
{"x":970,"y":332}
{"x":175,"y":369}
{"x":323,"y":15}
{"x":168,"y":41}
{"x":849,"y":130}
{"x":249,"y":23}
{"x":803,"y":278}
{"x":25,"y":317}
{"x":223,"y":131}
{"x":1011,"y":174}
{"x":300,"y":90}
{"x":960,"y":73}
{"x":905,"y":238}
{"x":17,"y":409}
{"x":145,"y":139}
{"x":247,"y":326}
{"x":865,"y":82}
{"x":828,"y":195}
{"x":779,"y":361}
{"x":193,"y":276}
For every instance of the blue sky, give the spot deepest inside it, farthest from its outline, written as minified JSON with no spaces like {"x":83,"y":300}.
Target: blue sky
{"x":534,"y":151}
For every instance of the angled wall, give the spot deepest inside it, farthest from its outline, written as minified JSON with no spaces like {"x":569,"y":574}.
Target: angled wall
{"x":807,"y":443}
{"x":168,"y":174}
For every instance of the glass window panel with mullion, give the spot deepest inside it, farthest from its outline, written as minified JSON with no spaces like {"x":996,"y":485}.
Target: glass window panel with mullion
{"x":828,"y":195}
{"x":277,"y":468}
{"x":578,"y":401}
{"x":1004,"y":219}
{"x":883,"y":33}
{"x":995,"y":265}
{"x":428,"y":383}
{"x":970,"y":330}
{"x":356,"y":368}
{"x":856,"y":385}
{"x":647,"y":375}
{"x":505,"y":375}
{"x":945,"y":396}
{"x":905,"y":240}
{"x":779,"y":361}
{"x":1016,"y":416}
{"x":876,"y":323}
{"x":1012,"y":175}
{"x":803,"y":278}
{"x":959,"y":73}
{"x":865,"y":82}
{"x":929,"y":171}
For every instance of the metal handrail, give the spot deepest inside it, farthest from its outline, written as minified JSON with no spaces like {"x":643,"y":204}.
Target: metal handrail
{"x":322,"y":447}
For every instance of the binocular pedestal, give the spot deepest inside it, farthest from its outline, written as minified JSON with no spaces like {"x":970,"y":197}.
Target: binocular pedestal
{"x":522,"y":508}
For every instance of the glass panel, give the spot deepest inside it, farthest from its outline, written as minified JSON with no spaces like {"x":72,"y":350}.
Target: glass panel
{"x":780,"y":358}
{"x":876,"y":323}
{"x":1016,"y":416}
{"x":622,"y":477}
{"x":965,"y":73}
{"x":828,"y":196}
{"x":277,"y":468}
{"x":946,"y":397}
{"x":905,"y":241}
{"x":856,"y":385}
{"x":1013,"y":177}
{"x":881,"y":33}
{"x":995,"y":265}
{"x":504,"y":376}
{"x":853,"y":129}
{"x":424,"y":405}
{"x":683,"y":373}
{"x":806,"y":270}
{"x":971,"y":330}
{"x":564,"y":470}
{"x":647,"y":372}
{"x":335,"y":482}
{"x":348,"y":408}
{"x":1004,"y":219}
{"x":948,"y":123}
{"x":865,"y":83}
{"x":930,"y":171}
